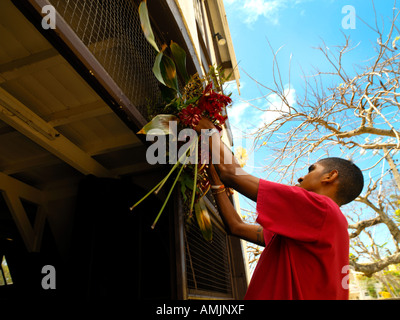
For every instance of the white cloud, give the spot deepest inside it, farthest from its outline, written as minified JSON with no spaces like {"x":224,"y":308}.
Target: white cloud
{"x":269,"y":9}
{"x":246,"y":117}
{"x":241,"y":120}
{"x":276,"y":106}
{"x":236,"y":112}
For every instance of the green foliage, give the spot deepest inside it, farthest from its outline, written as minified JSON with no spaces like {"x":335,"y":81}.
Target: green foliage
{"x":145,"y":24}
{"x":165,"y":67}
{"x":180,"y":58}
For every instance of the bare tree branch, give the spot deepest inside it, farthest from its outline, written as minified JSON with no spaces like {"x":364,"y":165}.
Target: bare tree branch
{"x":360,"y":226}
{"x":370,"y":268}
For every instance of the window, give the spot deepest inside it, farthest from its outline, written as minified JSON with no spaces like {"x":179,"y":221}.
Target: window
{"x":208,"y":264}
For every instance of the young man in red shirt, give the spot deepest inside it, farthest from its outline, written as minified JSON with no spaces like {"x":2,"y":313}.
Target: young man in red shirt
{"x":305,"y":235}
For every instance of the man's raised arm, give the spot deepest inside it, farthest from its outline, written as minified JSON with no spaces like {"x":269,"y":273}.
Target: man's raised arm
{"x":230,"y":172}
{"x":233,"y":222}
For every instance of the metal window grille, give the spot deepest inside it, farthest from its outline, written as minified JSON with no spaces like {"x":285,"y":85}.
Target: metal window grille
{"x":208,"y":267}
{"x":111,"y":30}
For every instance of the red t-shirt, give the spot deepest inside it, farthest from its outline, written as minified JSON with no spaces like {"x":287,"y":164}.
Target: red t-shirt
{"x":306,"y":253}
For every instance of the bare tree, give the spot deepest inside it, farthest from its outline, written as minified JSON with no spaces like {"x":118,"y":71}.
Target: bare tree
{"x":353,"y":113}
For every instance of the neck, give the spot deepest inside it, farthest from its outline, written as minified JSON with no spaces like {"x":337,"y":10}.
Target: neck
{"x":330,"y":193}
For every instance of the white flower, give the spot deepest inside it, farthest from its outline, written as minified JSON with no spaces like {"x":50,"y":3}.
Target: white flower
{"x":241,"y":156}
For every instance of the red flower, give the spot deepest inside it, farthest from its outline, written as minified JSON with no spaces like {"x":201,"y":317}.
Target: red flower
{"x":213,"y":102}
{"x":225,"y":99}
{"x":208,"y":88}
{"x":220,"y":118}
{"x":190,"y":116}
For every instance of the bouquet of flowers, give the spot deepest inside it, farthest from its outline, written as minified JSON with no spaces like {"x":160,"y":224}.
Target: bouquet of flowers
{"x":200,"y":97}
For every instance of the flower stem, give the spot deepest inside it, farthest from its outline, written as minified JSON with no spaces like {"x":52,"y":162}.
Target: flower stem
{"x":169,"y":194}
{"x":194,"y":178}
{"x":173,"y":169}
{"x":150,"y":192}
{"x":158,"y":187}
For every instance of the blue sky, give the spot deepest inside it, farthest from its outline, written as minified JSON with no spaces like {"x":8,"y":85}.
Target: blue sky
{"x":297,"y":27}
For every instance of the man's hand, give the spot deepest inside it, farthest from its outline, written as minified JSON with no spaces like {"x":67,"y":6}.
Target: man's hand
{"x":230,"y":172}
{"x":204,"y":123}
{"x":244,"y":183}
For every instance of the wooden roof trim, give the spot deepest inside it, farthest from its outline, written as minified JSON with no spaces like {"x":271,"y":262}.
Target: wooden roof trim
{"x":20,"y":117}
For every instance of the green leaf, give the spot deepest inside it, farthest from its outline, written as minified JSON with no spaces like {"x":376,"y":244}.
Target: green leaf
{"x":168,"y":72}
{"x":157,"y":67}
{"x":160,"y":122}
{"x":146,"y":25}
{"x":187,"y":180}
{"x":168,"y":94}
{"x":203,"y":219}
{"x":180,"y":59}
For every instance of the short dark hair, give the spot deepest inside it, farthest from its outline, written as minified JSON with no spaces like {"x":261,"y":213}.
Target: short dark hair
{"x":351,"y":180}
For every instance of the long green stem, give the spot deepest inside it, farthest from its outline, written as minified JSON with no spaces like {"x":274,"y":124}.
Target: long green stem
{"x":169,"y":194}
{"x":150,"y":192}
{"x":158,"y":187}
{"x":194,"y":178}
{"x":173,"y":168}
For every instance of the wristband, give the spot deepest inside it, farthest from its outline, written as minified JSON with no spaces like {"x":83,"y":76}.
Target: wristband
{"x":219,"y":191}
{"x":217,"y":187}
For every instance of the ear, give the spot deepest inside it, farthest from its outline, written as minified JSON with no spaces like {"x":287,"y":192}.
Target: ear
{"x":330,"y":177}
